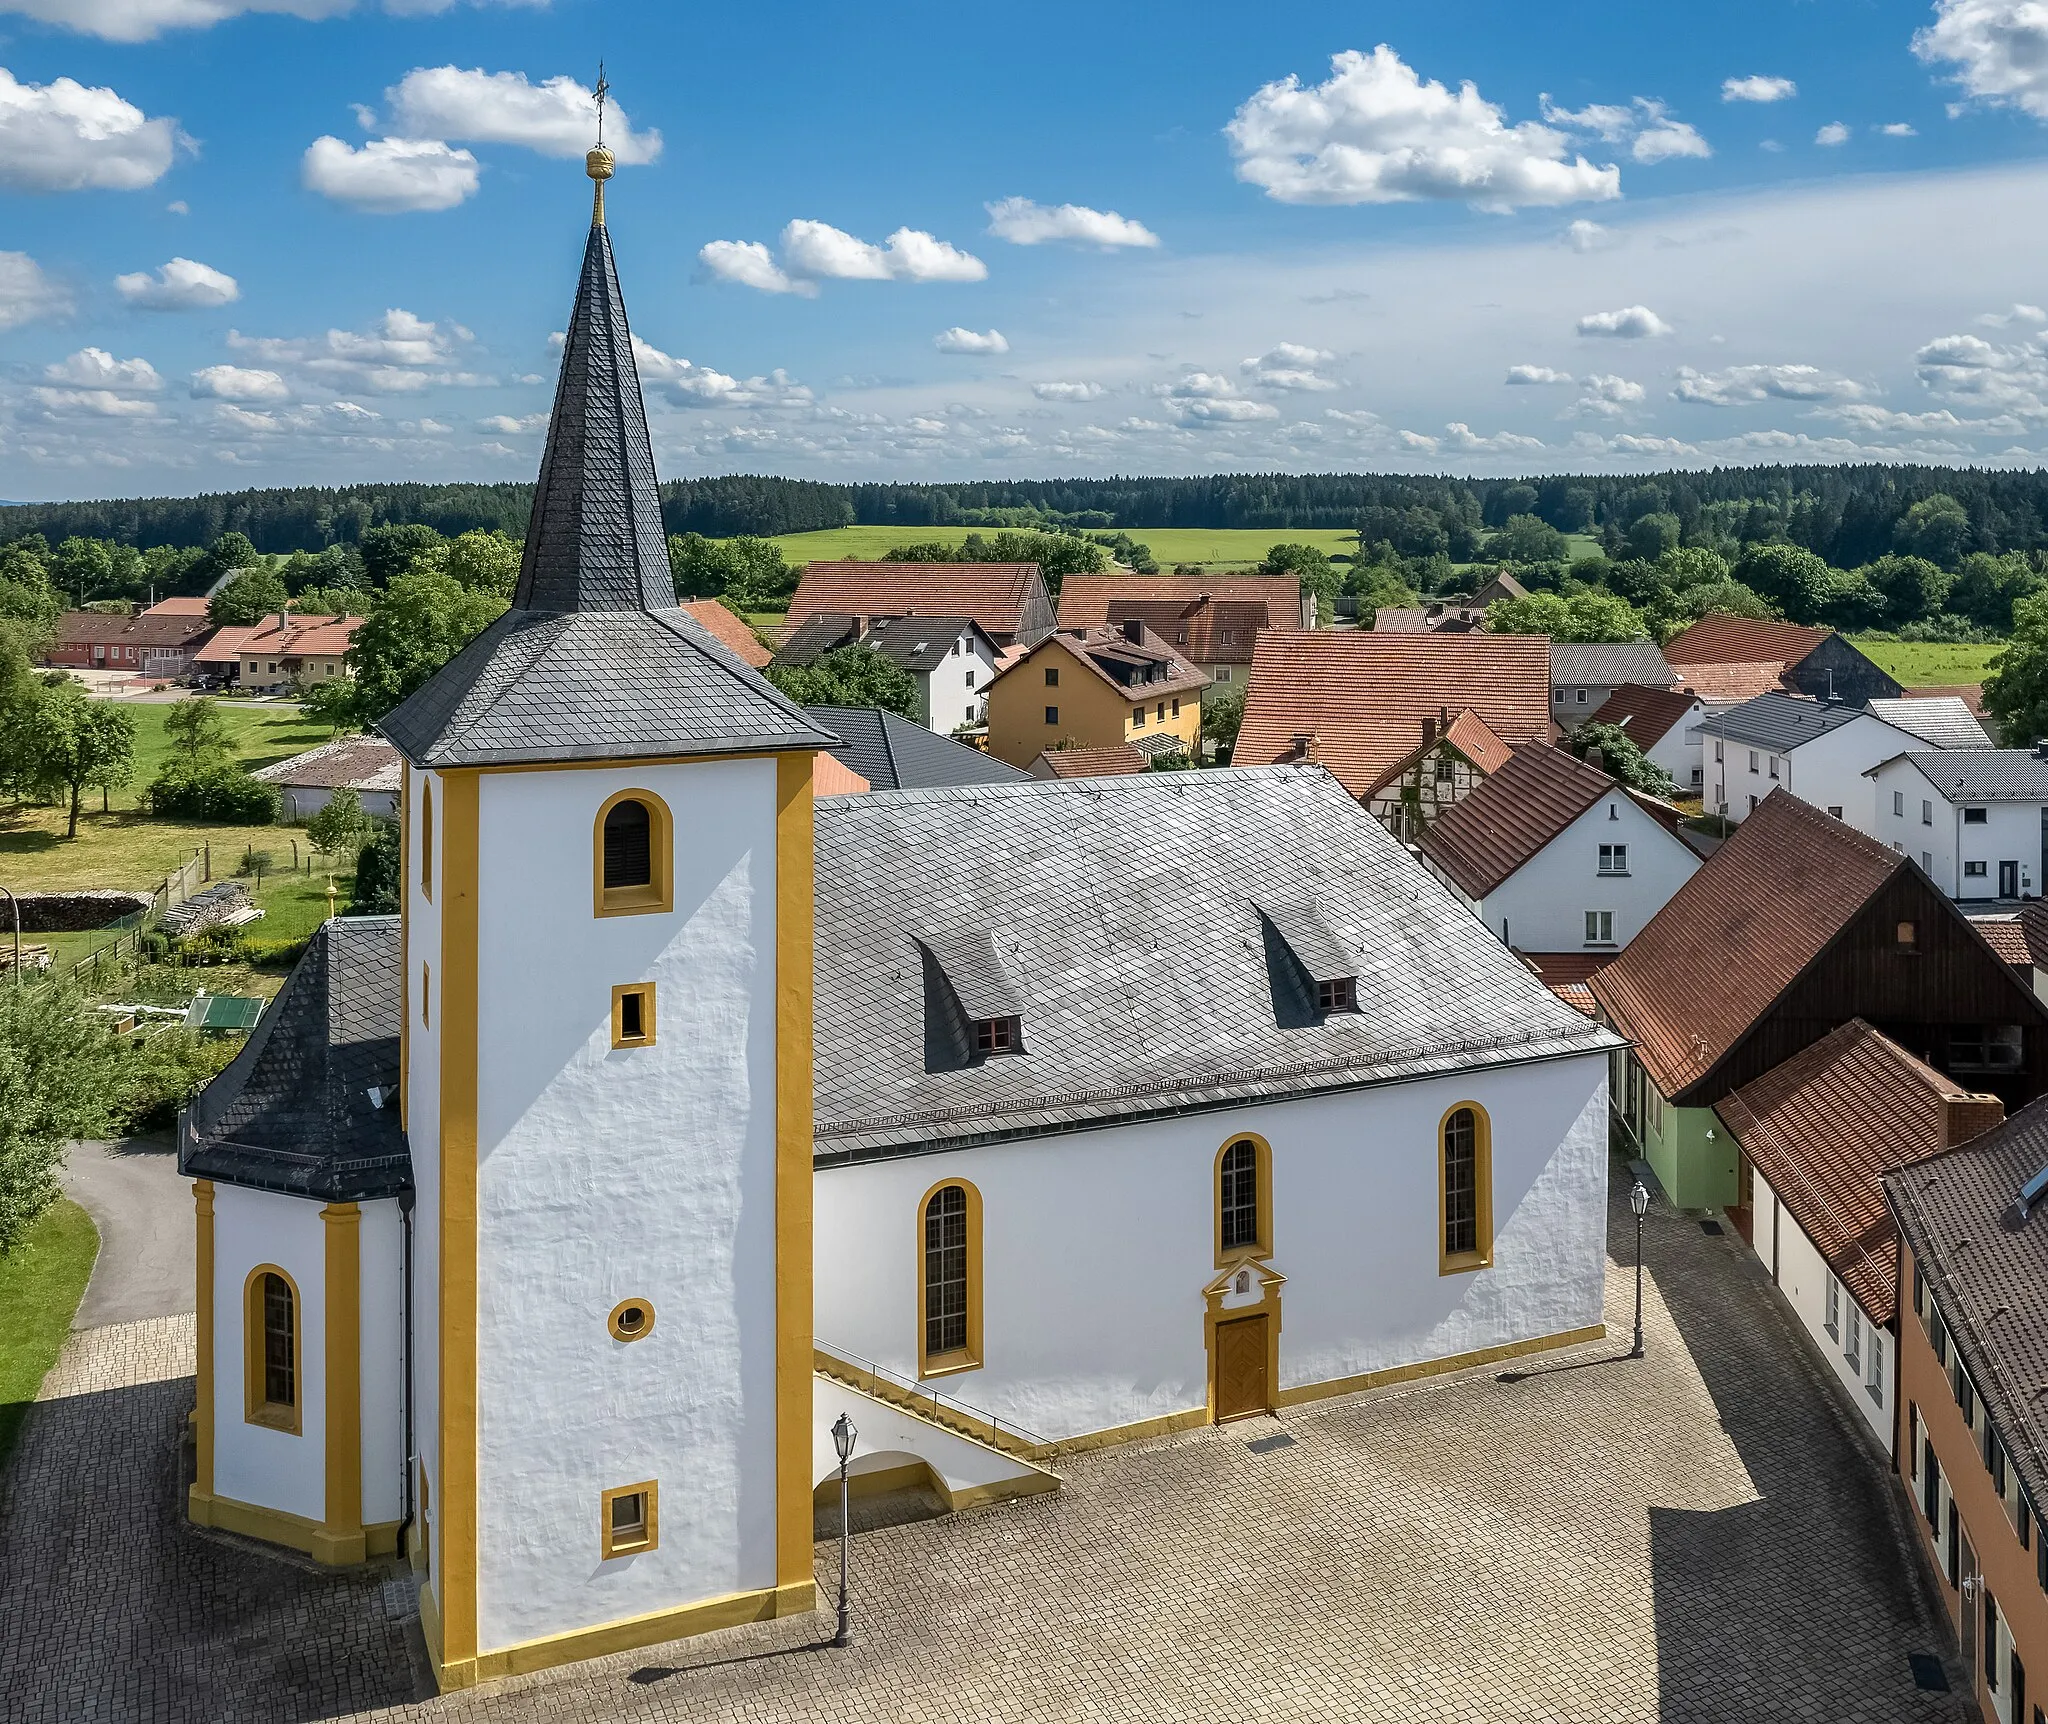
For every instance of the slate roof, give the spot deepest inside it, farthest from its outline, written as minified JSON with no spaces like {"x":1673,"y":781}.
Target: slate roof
{"x":1945,"y":720}
{"x":1982,"y":774}
{"x":1825,"y":1128}
{"x":1504,"y":821}
{"x":1608,"y":664}
{"x":731,"y":631}
{"x":1086,"y":601}
{"x":1733,"y":938}
{"x":354,"y":762}
{"x":1117,"y":760}
{"x":1647,"y":714}
{"x":893,"y":753}
{"x":1986,"y":1266}
{"x":292,"y":1111}
{"x":1718,"y":638}
{"x":1007,"y":599}
{"x":595,"y":660}
{"x":1779,"y":722}
{"x":1126,"y":915}
{"x":1362,"y":695}
{"x":918,"y":643}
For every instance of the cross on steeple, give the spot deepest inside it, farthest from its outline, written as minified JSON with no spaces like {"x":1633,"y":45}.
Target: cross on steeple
{"x":603,"y":89}
{"x":600,"y":162}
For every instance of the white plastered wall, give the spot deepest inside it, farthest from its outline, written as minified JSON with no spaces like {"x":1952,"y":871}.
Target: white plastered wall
{"x":383,"y":1362}
{"x":1543,"y":904}
{"x":950,"y":701}
{"x":1827,"y":772}
{"x":614,"y":1173}
{"x":1096,"y":1245}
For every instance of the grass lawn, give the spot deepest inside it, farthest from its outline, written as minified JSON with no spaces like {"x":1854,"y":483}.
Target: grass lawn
{"x":1924,"y":664}
{"x":1221,"y":547}
{"x":41,"y":1282}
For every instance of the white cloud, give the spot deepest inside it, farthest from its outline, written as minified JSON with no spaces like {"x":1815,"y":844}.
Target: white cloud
{"x":958,"y":340}
{"x":144,"y":20}
{"x":1972,"y":371}
{"x":1460,"y":437}
{"x":691,"y":385}
{"x":1206,"y":399}
{"x":103,"y":402}
{"x":65,"y":137}
{"x":1628,"y":444}
{"x":1068,"y":391}
{"x":1631,"y":323}
{"x":1226,"y":412}
{"x":1528,"y":374}
{"x":1022,"y":222}
{"x":28,"y":292}
{"x":816,"y":248}
{"x":750,"y":263}
{"x":178,"y":206}
{"x":1644,"y":125}
{"x":917,"y":256}
{"x":1374,"y":132}
{"x":1663,"y":138}
{"x":554,"y":117}
{"x":1897,"y":129}
{"x":1289,"y":366}
{"x":1744,"y":385}
{"x":1758,"y":89}
{"x":1607,"y":396}
{"x":505,"y":425}
{"x":1831,"y":135}
{"x":388,"y":175}
{"x":180,"y":285}
{"x":96,"y":368}
{"x":1998,"y":47}
{"x":2030,"y":314}
{"x":1584,"y":235}
{"x":402,"y":355}
{"x":238,"y":383}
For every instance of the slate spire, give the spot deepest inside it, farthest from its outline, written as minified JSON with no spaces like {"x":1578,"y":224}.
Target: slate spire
{"x":595,"y":540}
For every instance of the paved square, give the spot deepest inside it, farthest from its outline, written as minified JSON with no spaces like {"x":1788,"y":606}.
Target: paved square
{"x":1703,"y":1535}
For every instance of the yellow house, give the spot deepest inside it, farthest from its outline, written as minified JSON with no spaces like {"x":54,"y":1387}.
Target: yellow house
{"x":1092,"y":688}
{"x":284,"y":650}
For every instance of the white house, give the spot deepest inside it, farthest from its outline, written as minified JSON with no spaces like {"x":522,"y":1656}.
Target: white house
{"x":1818,"y":750}
{"x":553,"y":1276}
{"x":1664,"y":723}
{"x":1816,"y":1136}
{"x":1975,"y":819}
{"x":1555,"y":856}
{"x":951,"y":659}
{"x":368,"y":765}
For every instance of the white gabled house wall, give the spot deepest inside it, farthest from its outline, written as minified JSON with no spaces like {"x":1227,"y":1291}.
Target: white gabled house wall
{"x":1678,"y":751}
{"x":1827,"y":771}
{"x":1914,"y":817}
{"x":955,"y":691}
{"x":1097,"y":1245}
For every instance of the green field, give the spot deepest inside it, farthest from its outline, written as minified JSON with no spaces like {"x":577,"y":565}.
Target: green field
{"x":41,"y":1281}
{"x":1929,"y":664}
{"x":1216,"y":547}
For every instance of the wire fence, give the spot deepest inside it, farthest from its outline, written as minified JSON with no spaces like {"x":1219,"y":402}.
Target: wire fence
{"x":125,"y":934}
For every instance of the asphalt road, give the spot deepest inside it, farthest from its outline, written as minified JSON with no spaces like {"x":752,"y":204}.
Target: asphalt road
{"x":143,"y":1210}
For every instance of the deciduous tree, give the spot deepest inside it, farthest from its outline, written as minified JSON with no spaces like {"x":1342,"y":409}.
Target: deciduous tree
{"x":849,"y":676}
{"x":420,"y":623}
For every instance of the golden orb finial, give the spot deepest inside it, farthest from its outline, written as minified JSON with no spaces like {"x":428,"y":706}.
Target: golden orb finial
{"x":600,"y":164}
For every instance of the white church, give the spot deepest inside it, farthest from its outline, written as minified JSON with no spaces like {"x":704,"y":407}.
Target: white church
{"x":545,"y":1228}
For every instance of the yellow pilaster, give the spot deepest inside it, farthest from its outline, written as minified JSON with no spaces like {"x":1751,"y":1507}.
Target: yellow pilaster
{"x":199,"y":1505}
{"x":340,"y":1538}
{"x":795,"y":1576}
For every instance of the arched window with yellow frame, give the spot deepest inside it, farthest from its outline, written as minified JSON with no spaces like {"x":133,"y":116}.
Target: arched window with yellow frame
{"x":1464,"y":1169}
{"x":1243,"y":1191}
{"x":949,"y":1279}
{"x":632,"y":855}
{"x":272,"y":1361}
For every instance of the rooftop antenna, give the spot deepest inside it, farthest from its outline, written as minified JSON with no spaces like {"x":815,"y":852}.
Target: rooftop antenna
{"x":600,"y":162}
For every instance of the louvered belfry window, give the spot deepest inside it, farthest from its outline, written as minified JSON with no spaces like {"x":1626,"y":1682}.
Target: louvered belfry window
{"x":945,"y":1272}
{"x":628,"y":846}
{"x":1240,"y":1196}
{"x":1461,"y":1183}
{"x":280,"y":1372}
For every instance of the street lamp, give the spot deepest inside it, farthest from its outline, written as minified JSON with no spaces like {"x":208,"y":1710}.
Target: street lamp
{"x":843,"y":1438}
{"x":1639,"y":1201}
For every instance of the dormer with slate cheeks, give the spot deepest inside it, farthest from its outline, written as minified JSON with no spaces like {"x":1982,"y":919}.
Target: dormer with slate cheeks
{"x":973,"y":1011}
{"x":1313,"y":974}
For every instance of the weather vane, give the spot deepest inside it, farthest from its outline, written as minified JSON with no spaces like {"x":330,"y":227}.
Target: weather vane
{"x":603,"y":89}
{"x":600,"y":162}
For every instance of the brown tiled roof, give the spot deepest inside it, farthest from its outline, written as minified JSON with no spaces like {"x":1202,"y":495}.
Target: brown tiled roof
{"x":359,"y":762}
{"x":1971,"y":694}
{"x":1647,"y":714}
{"x":225,"y":647}
{"x":732,"y":631}
{"x":1469,"y":735}
{"x":1362,"y":696}
{"x":1737,"y":680}
{"x":994,"y":594}
{"x":1220,"y":631}
{"x":1718,"y":638}
{"x":1098,"y":649}
{"x":1488,"y":834}
{"x":83,"y":628}
{"x":1087,"y":601}
{"x":2034,"y":924}
{"x":178,"y":607}
{"x":2005,"y":936}
{"x":1825,"y":1128}
{"x":303,"y":637}
{"x":1115,"y":761}
{"x":1735,"y":935}
{"x":1987,"y":1267}
{"x":1557,"y":969}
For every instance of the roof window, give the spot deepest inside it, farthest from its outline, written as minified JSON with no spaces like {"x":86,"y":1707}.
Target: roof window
{"x":973,"y":1011}
{"x":1311,"y":972}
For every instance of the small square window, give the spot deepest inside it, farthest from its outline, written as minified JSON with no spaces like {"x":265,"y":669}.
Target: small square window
{"x":1052,"y":676}
{"x":1138,"y":718}
{"x":995,"y":1036}
{"x":970,"y":679}
{"x":1052,"y":715}
{"x":628,"y":1523}
{"x":1176,"y":706}
{"x":633,"y":1015}
{"x":1446,"y":770}
{"x":1582,"y":697}
{"x":1975,"y":870}
{"x":1336,"y":995}
{"x":1835,"y":810}
{"x":1614,"y":858}
{"x":1908,"y":936}
{"x":1599,"y":927}
{"x":1976,"y":816}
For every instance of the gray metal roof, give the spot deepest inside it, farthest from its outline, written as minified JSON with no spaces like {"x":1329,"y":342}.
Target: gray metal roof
{"x":916,"y":643}
{"x":594,"y":660}
{"x":1984,"y":774}
{"x":893,"y":753}
{"x":292,"y":1111}
{"x":1125,"y":913}
{"x":1779,"y":721}
{"x":1609,"y":664}
{"x":1945,"y":720}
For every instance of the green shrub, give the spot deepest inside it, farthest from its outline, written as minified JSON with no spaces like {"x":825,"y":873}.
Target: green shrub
{"x":254,"y":949}
{"x":256,"y":861}
{"x":379,"y":865}
{"x":156,"y":948}
{"x":212,"y":790}
{"x":160,"y":1072}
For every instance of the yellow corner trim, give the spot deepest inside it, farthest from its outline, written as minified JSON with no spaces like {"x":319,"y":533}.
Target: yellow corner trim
{"x":794,"y":916}
{"x":203,"y":1401}
{"x":293,"y":1532}
{"x":342,"y":1227}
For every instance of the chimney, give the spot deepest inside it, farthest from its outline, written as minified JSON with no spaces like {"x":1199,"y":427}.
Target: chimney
{"x":860,"y":626}
{"x":1428,"y":731}
{"x":1968,"y":1116}
{"x":1304,"y":745}
{"x":2041,"y":748}
{"x":1596,"y":759}
{"x":1134,"y":631}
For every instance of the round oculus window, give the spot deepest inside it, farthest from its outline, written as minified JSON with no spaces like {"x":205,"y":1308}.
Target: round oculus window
{"x":631,"y":1319}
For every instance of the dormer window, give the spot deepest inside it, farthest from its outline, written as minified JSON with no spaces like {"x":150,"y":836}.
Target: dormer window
{"x":973,"y":1012}
{"x":1336,"y":995}
{"x":1311,"y":972}
{"x":995,"y":1036}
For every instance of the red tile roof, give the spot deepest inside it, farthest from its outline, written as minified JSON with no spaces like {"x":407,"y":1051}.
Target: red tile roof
{"x":1733,"y":937}
{"x":1825,"y":1128}
{"x":1726,"y":684}
{"x":1647,"y":714}
{"x":1361,"y":696}
{"x":1469,"y":735}
{"x":1214,"y":631}
{"x":83,"y":628}
{"x":1491,"y":832}
{"x":732,"y":631}
{"x":2007,"y":938}
{"x":225,"y":647}
{"x":996,"y":595}
{"x":1088,"y":600}
{"x":1115,"y":761}
{"x":1560,"y":968}
{"x":178,"y":607}
{"x":1101,"y":648}
{"x":1718,"y":638}
{"x":303,"y":637}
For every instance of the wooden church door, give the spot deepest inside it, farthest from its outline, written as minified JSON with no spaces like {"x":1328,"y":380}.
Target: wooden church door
{"x":1241,"y":1387}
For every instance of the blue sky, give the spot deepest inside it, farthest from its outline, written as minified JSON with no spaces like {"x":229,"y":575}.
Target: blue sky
{"x":317,"y":241}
